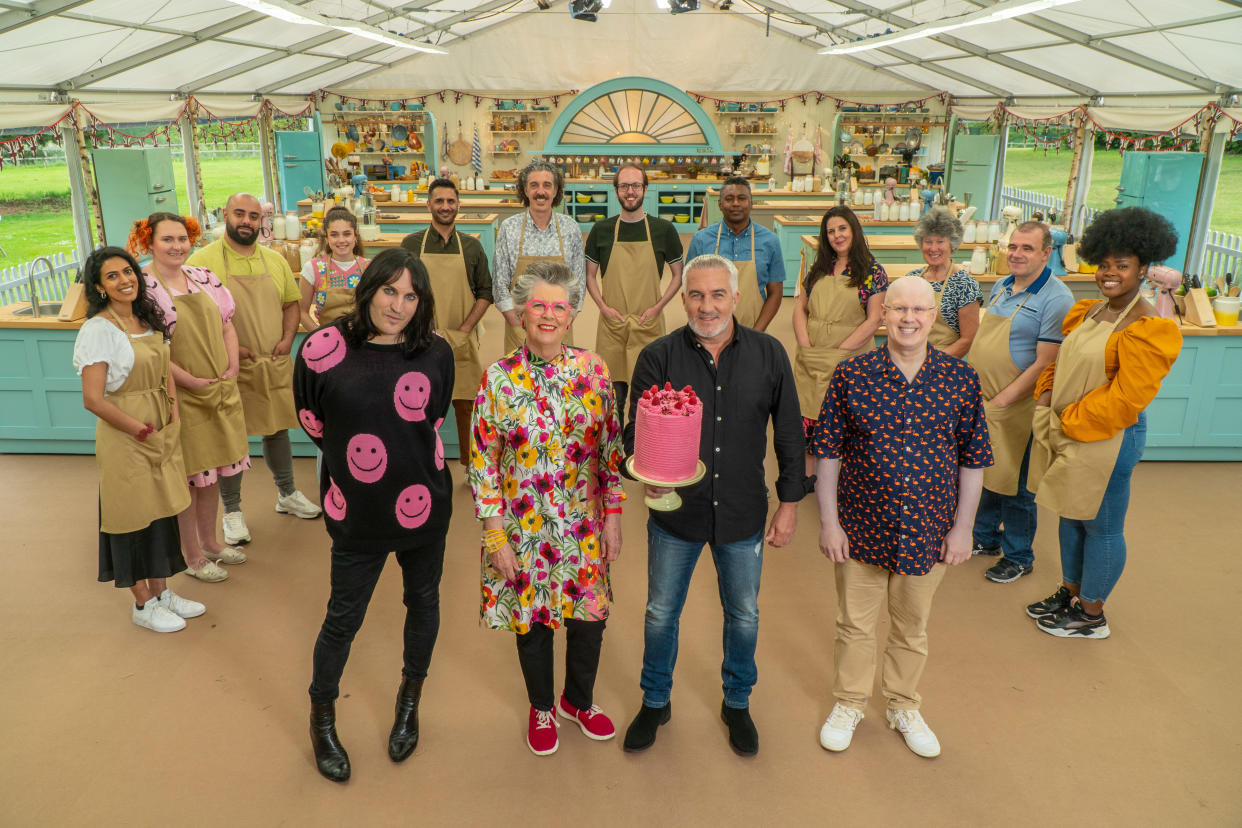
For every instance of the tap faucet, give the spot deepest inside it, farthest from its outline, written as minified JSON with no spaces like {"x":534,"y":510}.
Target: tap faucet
{"x":30,"y":281}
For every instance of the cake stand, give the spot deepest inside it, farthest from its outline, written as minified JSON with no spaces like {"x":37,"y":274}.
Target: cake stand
{"x":669,"y":501}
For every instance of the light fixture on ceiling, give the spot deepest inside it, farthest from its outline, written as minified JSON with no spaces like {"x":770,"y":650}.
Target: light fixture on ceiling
{"x":543,"y":5}
{"x":992,"y":14}
{"x":678,"y":6}
{"x":725,"y":5}
{"x":586,"y":10}
{"x":283,"y":10}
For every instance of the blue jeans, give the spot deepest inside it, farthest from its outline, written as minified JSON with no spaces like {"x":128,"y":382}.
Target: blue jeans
{"x":670,"y":564}
{"x":1093,"y":552}
{"x":1008,"y":521}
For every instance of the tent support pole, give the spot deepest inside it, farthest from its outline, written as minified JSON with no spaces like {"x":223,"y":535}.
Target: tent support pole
{"x":266,"y":150}
{"x":1001,"y":147}
{"x":79,"y":200}
{"x":1214,"y":140}
{"x":87,"y":179}
{"x":193,"y":170}
{"x":1079,"y":179}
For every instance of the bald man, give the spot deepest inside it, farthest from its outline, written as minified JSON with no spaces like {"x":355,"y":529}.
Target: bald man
{"x":266,"y":294}
{"x":902,"y":441}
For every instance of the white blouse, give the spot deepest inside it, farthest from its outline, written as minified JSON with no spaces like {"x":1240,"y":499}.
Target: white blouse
{"x":101,"y":341}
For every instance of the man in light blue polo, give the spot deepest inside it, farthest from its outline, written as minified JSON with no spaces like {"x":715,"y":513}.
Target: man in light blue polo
{"x":755,"y":251}
{"x":1019,"y":335}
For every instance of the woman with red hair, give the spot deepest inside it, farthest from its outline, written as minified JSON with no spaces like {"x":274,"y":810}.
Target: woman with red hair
{"x":199,"y":310}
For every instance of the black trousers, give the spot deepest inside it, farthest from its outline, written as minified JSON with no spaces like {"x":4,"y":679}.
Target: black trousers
{"x":583,"y":640}
{"x":354,"y":575}
{"x":620,"y":390}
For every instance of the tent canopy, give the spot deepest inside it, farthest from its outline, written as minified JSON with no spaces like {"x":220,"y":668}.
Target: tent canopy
{"x":1087,"y":49}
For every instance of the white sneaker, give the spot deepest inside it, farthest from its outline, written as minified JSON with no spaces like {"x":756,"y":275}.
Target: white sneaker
{"x":235,"y":530}
{"x":183,"y":607}
{"x":155,"y":616}
{"x":297,"y":504}
{"x":919,"y":737}
{"x":838,"y":730}
{"x":226,"y":555}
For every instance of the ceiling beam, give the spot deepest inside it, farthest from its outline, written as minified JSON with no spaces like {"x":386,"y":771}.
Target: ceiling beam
{"x":973,"y":50}
{"x":1109,"y":48}
{"x":421,"y":32}
{"x":318,"y":40}
{"x":904,"y":57}
{"x":35,"y":12}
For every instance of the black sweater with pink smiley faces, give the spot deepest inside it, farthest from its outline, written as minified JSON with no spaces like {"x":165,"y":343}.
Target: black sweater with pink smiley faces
{"x":376,"y":415}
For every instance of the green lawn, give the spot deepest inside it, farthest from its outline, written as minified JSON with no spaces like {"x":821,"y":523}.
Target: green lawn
{"x":1032,"y":170}
{"x":25,"y":235}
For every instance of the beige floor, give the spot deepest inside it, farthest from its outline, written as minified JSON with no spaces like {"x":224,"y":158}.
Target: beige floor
{"x":107,"y":724}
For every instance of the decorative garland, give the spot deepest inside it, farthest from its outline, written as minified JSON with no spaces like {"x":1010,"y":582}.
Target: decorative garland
{"x":99,"y":133}
{"x":442,"y":94}
{"x":820,"y":97}
{"x":231,"y":129}
{"x":1081,"y":114}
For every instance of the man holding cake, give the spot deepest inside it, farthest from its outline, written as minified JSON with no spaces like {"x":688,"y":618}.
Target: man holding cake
{"x":732,"y":381}
{"x":902,"y":441}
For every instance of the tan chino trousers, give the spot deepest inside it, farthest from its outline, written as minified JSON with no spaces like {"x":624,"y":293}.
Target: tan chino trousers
{"x":861,"y":590}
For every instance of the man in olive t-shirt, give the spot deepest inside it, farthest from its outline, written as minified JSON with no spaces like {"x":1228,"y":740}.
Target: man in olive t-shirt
{"x":627,"y":253}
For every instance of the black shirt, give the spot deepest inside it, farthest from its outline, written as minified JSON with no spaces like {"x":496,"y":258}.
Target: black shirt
{"x":751,"y":383}
{"x":664,"y":241}
{"x":472,"y":251}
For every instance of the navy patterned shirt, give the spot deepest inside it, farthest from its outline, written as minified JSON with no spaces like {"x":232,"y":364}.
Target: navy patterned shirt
{"x":901,"y":445}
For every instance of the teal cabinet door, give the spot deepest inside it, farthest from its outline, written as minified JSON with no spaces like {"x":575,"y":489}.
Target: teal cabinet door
{"x":1167,"y":183}
{"x":132,"y":184}
{"x":973,"y":170}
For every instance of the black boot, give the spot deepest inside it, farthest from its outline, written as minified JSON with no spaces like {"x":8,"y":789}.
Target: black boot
{"x":404,"y":736}
{"x":330,"y":756}
{"x":641,"y":733}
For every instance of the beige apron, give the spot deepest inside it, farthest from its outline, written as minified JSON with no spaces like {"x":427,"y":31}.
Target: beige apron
{"x":337,"y":301}
{"x":141,"y":482}
{"x":515,"y":336}
{"x":1070,"y":477}
{"x":749,"y":302}
{"x":266,"y":384}
{"x":213,"y":427}
{"x":450,"y":285}
{"x":941,"y":335}
{"x":630,"y":286}
{"x":833,"y":312}
{"x":1010,"y":427}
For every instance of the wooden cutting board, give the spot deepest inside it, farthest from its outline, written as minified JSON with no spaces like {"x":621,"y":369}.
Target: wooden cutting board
{"x":459,"y":150}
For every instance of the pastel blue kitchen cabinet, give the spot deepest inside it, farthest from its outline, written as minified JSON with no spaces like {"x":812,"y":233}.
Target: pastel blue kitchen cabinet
{"x":133,"y":184}
{"x":299,"y":159}
{"x":1166,"y":183}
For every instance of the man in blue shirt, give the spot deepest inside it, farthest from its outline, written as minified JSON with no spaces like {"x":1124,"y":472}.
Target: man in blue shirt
{"x":754,"y":250}
{"x":1019,"y":335}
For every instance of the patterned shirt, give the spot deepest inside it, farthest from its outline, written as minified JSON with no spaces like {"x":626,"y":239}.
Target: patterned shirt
{"x":536,"y":242}
{"x":545,"y":456}
{"x":956,"y":292}
{"x":900,"y":445}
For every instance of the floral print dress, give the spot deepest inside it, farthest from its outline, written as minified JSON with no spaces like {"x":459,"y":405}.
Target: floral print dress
{"x":546,"y":456}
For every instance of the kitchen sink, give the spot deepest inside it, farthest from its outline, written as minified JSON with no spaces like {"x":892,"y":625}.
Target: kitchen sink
{"x":45,"y":309}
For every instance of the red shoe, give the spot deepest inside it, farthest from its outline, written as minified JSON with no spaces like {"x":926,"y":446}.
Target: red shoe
{"x":593,"y":722}
{"x":541,"y":732}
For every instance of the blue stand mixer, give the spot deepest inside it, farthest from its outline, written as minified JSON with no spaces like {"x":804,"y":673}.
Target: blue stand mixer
{"x":1056,"y":261}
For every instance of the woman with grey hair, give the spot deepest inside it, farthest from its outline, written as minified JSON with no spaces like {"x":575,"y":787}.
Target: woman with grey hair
{"x":537,"y":234}
{"x":545,"y":470}
{"x":938,"y":233}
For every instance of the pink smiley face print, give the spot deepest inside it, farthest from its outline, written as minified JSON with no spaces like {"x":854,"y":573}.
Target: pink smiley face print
{"x":411,"y":395}
{"x":324,"y":349}
{"x":310,"y":423}
{"x":366,"y":457}
{"x":413,"y":506}
{"x":334,"y":502}
{"x":439,"y":445}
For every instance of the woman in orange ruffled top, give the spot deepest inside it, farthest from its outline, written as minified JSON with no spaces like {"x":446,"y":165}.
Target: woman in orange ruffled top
{"x":1090,"y":421}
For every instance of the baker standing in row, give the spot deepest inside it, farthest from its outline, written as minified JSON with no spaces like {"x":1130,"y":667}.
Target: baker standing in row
{"x":627,"y":253}
{"x":266,"y":293}
{"x":1018,"y":337}
{"x":535,"y":234}
{"x":462,"y":286}
{"x":755,"y":251}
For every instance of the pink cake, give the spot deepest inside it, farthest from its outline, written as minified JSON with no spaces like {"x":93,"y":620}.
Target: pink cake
{"x":666,"y":434}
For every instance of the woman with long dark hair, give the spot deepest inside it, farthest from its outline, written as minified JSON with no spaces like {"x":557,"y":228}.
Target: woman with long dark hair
{"x":1090,"y":415}
{"x":838,"y":310}
{"x":372,"y":389}
{"x":122,"y":354}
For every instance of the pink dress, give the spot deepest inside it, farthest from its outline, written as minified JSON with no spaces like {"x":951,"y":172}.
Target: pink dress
{"x":199,"y":280}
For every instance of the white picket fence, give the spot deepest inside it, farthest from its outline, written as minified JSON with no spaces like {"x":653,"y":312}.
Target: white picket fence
{"x":15,"y":286}
{"x":1031,"y":201}
{"x":1222,"y":254}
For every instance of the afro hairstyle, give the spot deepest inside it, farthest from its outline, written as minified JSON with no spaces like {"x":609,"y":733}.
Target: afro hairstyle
{"x":1129,"y":231}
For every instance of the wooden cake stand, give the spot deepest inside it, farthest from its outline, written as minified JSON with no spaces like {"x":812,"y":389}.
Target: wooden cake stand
{"x":670,"y":501}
